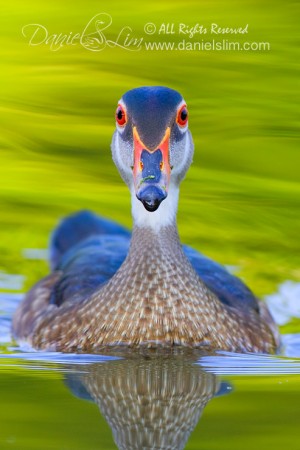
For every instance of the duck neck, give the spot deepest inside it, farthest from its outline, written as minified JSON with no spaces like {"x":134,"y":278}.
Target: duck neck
{"x":160,"y":247}
{"x":156,"y":232}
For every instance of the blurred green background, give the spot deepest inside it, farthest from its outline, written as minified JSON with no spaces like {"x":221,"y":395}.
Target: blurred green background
{"x":240,"y":202}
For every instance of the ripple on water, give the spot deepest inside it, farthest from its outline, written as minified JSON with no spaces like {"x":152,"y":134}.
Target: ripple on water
{"x":226,"y":363}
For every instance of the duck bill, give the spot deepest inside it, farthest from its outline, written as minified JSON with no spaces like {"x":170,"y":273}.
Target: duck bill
{"x":151,"y":171}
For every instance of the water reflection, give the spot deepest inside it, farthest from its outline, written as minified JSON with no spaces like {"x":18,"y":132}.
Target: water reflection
{"x":149,"y":401}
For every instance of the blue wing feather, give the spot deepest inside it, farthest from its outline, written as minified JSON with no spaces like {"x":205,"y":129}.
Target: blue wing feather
{"x":74,"y":229}
{"x":228,"y":288}
{"x":88,"y":250}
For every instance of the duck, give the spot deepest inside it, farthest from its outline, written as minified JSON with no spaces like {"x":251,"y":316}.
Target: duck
{"x":111,"y":288}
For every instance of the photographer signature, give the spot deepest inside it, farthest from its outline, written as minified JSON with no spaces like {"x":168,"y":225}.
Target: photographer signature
{"x":92,"y":37}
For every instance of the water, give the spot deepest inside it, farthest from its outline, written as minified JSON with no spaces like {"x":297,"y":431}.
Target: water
{"x":130,"y":400}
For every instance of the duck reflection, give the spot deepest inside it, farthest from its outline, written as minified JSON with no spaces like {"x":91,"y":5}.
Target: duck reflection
{"x":149,"y":401}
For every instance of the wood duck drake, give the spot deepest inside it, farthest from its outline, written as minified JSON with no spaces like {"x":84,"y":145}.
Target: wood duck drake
{"x":110,"y":288}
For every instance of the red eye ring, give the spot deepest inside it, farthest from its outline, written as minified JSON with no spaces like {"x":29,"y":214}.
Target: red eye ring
{"x":182,"y":116}
{"x":121,"y":116}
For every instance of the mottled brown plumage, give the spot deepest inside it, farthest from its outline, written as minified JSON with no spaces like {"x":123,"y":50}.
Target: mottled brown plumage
{"x":154,"y":298}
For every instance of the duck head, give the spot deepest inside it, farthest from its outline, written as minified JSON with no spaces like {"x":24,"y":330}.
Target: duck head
{"x":152,"y":148}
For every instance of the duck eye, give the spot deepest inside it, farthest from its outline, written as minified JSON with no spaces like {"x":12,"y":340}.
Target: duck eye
{"x":182,"y":116}
{"x":120,"y":115}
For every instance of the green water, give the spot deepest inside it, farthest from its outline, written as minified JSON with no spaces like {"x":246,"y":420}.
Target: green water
{"x":146,"y":402}
{"x":239,"y":204}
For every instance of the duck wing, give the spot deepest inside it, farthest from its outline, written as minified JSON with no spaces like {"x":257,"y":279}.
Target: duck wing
{"x":87,"y":250}
{"x":229,"y":289}
{"x":74,"y":230}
